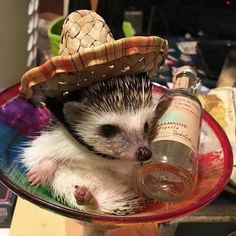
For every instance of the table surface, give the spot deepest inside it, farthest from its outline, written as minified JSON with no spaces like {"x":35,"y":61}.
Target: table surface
{"x":31,"y":220}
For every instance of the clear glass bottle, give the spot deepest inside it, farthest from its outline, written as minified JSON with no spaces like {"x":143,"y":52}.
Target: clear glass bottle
{"x":172,"y":172}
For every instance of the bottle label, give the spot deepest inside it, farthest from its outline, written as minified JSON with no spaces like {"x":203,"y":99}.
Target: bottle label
{"x":182,"y":82}
{"x":180,"y":122}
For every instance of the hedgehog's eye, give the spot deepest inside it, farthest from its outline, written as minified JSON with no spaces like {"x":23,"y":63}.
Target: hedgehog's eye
{"x":146,"y":126}
{"x":109,"y":131}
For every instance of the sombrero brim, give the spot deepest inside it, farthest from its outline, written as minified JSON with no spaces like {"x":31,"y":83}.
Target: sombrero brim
{"x":121,"y":57}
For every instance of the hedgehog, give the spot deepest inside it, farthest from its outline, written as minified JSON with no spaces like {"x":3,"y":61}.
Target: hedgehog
{"x":90,"y":151}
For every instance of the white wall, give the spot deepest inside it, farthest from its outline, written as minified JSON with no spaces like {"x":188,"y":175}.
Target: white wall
{"x":14,"y":36}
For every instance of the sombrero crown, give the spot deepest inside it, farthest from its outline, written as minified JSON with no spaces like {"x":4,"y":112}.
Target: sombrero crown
{"x":88,"y":53}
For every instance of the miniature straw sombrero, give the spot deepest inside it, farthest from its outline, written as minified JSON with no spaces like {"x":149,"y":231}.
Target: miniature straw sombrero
{"x":88,"y":53}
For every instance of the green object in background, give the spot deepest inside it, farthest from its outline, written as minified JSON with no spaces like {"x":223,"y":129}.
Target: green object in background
{"x":54,"y":34}
{"x":128,"y":29}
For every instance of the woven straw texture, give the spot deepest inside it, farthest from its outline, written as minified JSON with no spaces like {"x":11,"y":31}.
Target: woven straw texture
{"x":88,"y":53}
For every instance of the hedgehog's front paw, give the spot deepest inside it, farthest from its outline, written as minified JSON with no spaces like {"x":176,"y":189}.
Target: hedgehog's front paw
{"x":42,"y":172}
{"x":84,"y":197}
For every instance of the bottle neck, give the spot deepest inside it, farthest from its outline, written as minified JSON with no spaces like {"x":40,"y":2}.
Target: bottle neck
{"x":185,"y":80}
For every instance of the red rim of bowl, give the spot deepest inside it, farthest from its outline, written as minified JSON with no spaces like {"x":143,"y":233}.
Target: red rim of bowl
{"x":167,"y":216}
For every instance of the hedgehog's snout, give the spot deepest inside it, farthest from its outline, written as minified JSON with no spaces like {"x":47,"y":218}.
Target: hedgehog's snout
{"x":143,"y":154}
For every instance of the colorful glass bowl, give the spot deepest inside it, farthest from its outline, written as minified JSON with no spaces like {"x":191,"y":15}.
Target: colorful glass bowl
{"x":20,"y":120}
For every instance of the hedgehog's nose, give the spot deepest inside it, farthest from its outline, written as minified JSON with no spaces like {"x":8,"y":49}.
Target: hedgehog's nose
{"x":143,"y":154}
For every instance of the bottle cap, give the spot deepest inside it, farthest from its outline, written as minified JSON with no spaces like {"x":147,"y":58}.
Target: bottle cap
{"x":185,"y":78}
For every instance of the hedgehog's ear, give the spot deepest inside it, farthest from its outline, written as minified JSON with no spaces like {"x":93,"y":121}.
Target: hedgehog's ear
{"x":72,"y":107}
{"x":72,"y":110}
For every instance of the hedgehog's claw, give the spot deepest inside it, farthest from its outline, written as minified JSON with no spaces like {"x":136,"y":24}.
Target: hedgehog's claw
{"x":84,"y":197}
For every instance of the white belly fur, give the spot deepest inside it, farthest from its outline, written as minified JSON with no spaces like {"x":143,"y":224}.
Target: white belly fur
{"x":108,"y":180}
